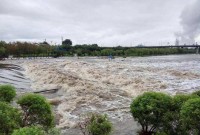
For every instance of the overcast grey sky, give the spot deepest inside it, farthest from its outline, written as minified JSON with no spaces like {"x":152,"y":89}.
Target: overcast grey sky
{"x":106,"y":22}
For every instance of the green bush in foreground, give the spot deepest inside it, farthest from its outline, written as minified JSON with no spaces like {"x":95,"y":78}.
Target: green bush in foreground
{"x":172,"y":121}
{"x":148,"y":109}
{"x":196,"y":93}
{"x":53,"y":131}
{"x":96,"y":124}
{"x":100,"y":125}
{"x":7,"y":93}
{"x":29,"y":131}
{"x":36,"y":111}
{"x":9,"y":118}
{"x":190,"y":115}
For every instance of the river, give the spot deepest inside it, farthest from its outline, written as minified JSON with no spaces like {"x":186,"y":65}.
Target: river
{"x":14,"y":75}
{"x":103,"y":86}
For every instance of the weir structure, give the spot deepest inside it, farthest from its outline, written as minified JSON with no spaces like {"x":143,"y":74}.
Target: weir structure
{"x":197,"y":47}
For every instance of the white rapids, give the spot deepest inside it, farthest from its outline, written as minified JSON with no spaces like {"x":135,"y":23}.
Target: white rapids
{"x":98,"y":85}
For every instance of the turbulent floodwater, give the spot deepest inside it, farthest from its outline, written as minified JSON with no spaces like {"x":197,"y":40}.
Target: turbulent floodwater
{"x":13,"y":74}
{"x":98,"y":85}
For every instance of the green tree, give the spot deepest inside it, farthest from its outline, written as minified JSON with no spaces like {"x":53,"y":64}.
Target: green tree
{"x":53,"y":131}
{"x":196,"y":93}
{"x":96,"y":124}
{"x":106,"y":52}
{"x":79,"y":52}
{"x":7,"y":93}
{"x":172,"y":121}
{"x":190,"y":115}
{"x":2,"y":51}
{"x":148,"y":109}
{"x":36,"y":111}
{"x":29,"y":131}
{"x":66,"y":44}
{"x":10,"y":119}
{"x":100,"y":125}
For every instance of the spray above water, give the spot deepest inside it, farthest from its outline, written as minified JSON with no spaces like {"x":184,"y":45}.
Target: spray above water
{"x":190,"y":21}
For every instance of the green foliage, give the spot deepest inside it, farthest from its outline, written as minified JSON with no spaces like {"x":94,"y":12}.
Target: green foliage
{"x":162,"y":133}
{"x":36,"y":111}
{"x":106,"y":52}
{"x":9,"y":118}
{"x":148,"y":109}
{"x":7,"y":93}
{"x":100,"y":125}
{"x":53,"y":131}
{"x":29,"y":131}
{"x":2,"y":51}
{"x":96,"y":124}
{"x":67,"y":42}
{"x":26,"y":49}
{"x":179,"y":100}
{"x":190,"y":115}
{"x":36,"y":130}
{"x":196,"y":93}
{"x":172,"y":121}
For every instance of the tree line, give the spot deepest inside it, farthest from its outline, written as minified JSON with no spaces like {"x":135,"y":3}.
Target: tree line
{"x":44,"y":49}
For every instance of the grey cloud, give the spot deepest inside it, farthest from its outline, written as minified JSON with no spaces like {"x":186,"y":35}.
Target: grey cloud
{"x":106,"y":22}
{"x":190,"y":20}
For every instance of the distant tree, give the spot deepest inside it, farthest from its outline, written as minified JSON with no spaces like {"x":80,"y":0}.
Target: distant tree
{"x":7,"y":93}
{"x":79,"y":52}
{"x":106,"y":52}
{"x":2,"y":43}
{"x":10,"y":119}
{"x":148,"y":109}
{"x":45,"y":43}
{"x":2,"y":51}
{"x":36,"y":111}
{"x":190,"y":115}
{"x":66,"y":44}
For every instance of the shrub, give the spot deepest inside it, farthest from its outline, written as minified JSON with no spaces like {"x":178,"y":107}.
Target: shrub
{"x":190,"y":115}
{"x":53,"y":131}
{"x":36,"y":111}
{"x":179,"y":100}
{"x":29,"y":131}
{"x":172,"y":121}
{"x":148,"y":109}
{"x":162,"y":133}
{"x":7,"y":93}
{"x":96,"y":125}
{"x":9,"y":118}
{"x":196,"y":93}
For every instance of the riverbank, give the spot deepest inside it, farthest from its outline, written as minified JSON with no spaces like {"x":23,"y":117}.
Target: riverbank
{"x":99,"y":85}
